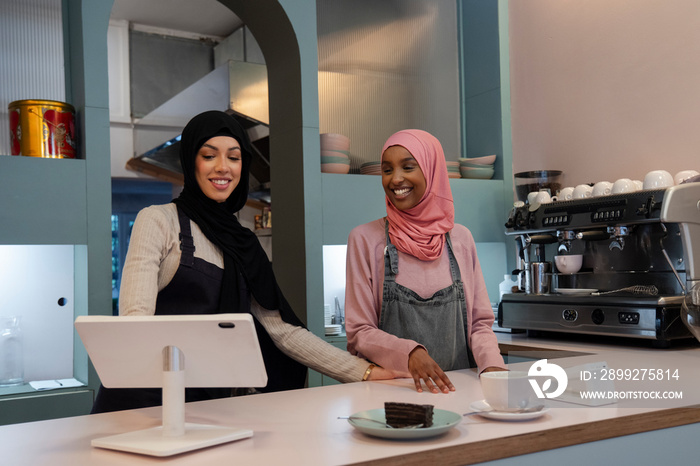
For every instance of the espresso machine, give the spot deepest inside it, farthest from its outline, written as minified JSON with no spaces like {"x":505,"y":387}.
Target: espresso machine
{"x":639,"y":276}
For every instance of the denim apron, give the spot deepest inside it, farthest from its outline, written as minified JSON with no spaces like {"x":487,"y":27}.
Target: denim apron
{"x":439,"y":322}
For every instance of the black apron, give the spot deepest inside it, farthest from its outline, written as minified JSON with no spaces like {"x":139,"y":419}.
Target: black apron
{"x":195,"y":289}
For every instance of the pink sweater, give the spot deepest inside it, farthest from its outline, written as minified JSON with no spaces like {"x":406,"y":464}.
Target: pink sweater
{"x":363,"y":296}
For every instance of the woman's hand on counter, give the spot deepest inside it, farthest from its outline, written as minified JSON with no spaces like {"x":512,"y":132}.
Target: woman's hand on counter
{"x":423,"y":367}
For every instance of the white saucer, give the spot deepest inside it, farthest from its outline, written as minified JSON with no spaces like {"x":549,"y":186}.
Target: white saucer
{"x":485,"y":410}
{"x":575,"y":290}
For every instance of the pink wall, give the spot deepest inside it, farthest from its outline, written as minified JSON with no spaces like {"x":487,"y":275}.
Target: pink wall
{"x":605,"y":89}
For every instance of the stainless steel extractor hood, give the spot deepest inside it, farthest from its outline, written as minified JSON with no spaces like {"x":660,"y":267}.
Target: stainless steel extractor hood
{"x":238,"y":88}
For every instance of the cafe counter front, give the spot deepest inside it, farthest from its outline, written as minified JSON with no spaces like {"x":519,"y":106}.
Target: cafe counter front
{"x":301,"y":427}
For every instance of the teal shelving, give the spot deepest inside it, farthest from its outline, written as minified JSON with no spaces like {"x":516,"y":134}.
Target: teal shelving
{"x":351,"y":200}
{"x":44,"y":201}
{"x":67,"y":201}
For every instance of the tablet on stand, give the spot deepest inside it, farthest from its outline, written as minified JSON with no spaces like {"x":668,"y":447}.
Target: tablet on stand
{"x":173,"y":352}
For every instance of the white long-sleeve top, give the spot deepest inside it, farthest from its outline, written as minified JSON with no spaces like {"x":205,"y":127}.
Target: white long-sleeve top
{"x":153,"y":258}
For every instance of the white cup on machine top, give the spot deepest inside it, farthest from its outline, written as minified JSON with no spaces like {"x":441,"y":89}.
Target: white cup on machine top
{"x":639,"y":184}
{"x":602,"y":188}
{"x":539,"y":197}
{"x":565,"y":194}
{"x":657,"y":179}
{"x":582,"y":191}
{"x":683,"y":175}
{"x":543,"y":197}
{"x":624,"y":185}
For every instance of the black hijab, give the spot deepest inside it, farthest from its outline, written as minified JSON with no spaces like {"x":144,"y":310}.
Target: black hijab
{"x":245,"y":261}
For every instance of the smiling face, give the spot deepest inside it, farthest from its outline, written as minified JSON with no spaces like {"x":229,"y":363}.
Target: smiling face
{"x":402,"y":178}
{"x":218,"y":165}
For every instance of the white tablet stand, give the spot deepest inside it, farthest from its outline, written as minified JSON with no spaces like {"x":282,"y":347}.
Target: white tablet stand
{"x":173,"y":352}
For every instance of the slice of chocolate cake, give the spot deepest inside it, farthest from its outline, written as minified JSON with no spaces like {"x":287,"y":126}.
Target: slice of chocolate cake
{"x":408,"y":414}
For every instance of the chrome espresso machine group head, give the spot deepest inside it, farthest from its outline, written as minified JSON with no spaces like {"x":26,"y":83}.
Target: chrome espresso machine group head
{"x":640,"y":276}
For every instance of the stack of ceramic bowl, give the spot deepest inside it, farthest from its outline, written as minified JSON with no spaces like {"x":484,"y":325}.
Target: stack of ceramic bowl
{"x":453,"y":169}
{"x":371,"y":168}
{"x":477,"y":167}
{"x":335,"y":153}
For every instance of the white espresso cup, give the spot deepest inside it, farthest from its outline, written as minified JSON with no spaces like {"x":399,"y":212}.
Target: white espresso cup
{"x":657,"y":179}
{"x":582,"y":191}
{"x":543,"y":197}
{"x":681,"y":176}
{"x":565,"y":194}
{"x":639,"y":184}
{"x":602,"y":188}
{"x":569,"y":263}
{"x":531,"y":197}
{"x":507,"y":390}
{"x":623,"y":185}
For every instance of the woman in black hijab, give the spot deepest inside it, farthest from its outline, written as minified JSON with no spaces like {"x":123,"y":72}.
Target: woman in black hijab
{"x":192,"y":256}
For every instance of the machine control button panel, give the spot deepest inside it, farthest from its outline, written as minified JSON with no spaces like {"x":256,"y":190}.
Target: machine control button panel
{"x":556,"y":220}
{"x":608,"y":215}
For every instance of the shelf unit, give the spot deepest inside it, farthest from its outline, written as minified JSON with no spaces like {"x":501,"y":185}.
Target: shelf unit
{"x":481,"y":205}
{"x":478,"y":204}
{"x":44,"y":201}
{"x":67,"y":201}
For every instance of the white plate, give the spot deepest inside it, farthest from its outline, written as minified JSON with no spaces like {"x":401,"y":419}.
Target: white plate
{"x":575,"y":290}
{"x":442,"y":422}
{"x":487,"y":411}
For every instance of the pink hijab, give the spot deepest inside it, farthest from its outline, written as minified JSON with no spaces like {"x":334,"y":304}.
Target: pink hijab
{"x":420,"y":230}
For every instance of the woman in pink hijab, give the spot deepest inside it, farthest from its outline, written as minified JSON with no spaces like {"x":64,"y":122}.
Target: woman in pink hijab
{"x":415,"y":298}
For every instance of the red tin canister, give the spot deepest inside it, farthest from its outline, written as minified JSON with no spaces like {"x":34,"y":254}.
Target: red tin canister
{"x":42,"y":128}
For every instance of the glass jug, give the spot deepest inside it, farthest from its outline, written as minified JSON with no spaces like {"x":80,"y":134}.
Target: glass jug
{"x":11,"y":352}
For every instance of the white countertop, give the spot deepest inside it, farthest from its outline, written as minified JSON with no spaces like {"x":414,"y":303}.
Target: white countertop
{"x":301,"y":427}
